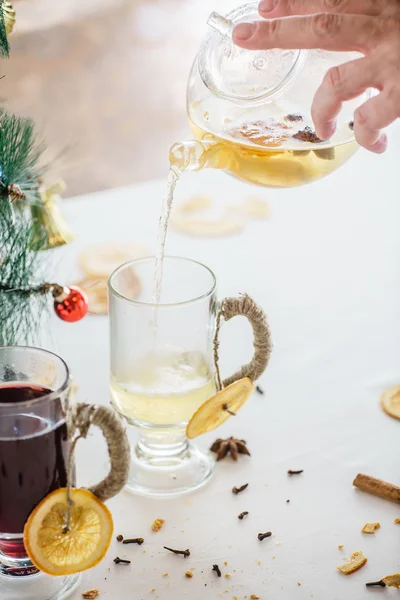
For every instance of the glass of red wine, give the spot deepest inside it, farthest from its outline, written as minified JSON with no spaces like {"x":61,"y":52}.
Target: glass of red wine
{"x":34,"y":398}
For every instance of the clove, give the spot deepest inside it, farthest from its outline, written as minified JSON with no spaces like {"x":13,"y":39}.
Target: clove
{"x":134,"y":541}
{"x":226,"y":408}
{"x":243,"y":514}
{"x":237,"y":490}
{"x":376,"y":584}
{"x":290,"y":472}
{"x":262,"y":536}
{"x":184,"y":553}
{"x":121,"y":561}
{"x":217,"y":570}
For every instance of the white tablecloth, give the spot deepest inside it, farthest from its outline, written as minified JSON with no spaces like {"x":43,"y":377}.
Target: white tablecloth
{"x":325,"y":267}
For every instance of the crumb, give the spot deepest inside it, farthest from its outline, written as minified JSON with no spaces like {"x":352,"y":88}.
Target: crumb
{"x":357,"y":560}
{"x":259,"y":562}
{"x":341,"y":547}
{"x":230,"y":546}
{"x":370,"y":527}
{"x":120,"y":538}
{"x":182,"y":531}
{"x":165,"y":575}
{"x":90,"y":594}
{"x":234,"y":570}
{"x":273,"y":557}
{"x":157,"y":524}
{"x":298,"y":583}
{"x":206,"y":116}
{"x":397,"y":521}
{"x":277,"y":543}
{"x":228,"y":575}
{"x":153,"y":590}
{"x":254,"y":597}
{"x":188,"y":501}
{"x":287,"y":501}
{"x":189,"y":574}
{"x":235,"y":598}
{"x":144,"y":551}
{"x":225,"y":562}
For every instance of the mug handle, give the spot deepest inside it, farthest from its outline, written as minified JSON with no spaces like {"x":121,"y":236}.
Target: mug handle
{"x":247,"y":307}
{"x":85,"y":415}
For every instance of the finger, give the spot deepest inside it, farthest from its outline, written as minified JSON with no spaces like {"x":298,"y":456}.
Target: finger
{"x":271,"y":9}
{"x":377,"y":113}
{"x":340,"y":84}
{"x":324,"y":30}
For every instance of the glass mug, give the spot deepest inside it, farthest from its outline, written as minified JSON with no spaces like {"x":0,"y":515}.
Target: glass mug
{"x":162,"y":368}
{"x":35,"y":395}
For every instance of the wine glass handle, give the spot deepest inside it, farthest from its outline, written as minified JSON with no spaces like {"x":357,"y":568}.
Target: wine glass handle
{"x":114,"y":433}
{"x":245,"y":306}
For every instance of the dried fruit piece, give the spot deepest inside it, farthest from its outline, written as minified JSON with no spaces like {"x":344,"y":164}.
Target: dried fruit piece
{"x":101,"y":260}
{"x":357,"y":560}
{"x":219,"y":408}
{"x":207,"y":227}
{"x":267,"y":133}
{"x":58,"y":552}
{"x":325,"y":153}
{"x":195,"y":203}
{"x":307,"y":135}
{"x":157,"y":524}
{"x":370,"y":527}
{"x":90,"y":594}
{"x":390,"y":401}
{"x":252,"y":207}
{"x":294,"y":118}
{"x":189,"y":574}
{"x":397,"y":521}
{"x":392,"y":580}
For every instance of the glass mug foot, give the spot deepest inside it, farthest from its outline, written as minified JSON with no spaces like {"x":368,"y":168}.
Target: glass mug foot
{"x":19,"y":584}
{"x":169,"y":474}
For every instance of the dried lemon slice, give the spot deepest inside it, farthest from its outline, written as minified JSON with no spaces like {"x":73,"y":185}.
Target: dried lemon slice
{"x":103,"y":259}
{"x":56,"y":552}
{"x":220,"y":407}
{"x":390,"y":401}
{"x":207,"y":227}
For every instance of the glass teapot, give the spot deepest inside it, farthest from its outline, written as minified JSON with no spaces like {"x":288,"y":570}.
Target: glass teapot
{"x":250,"y":111}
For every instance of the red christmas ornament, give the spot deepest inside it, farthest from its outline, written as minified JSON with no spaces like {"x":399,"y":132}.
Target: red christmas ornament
{"x":70,"y":303}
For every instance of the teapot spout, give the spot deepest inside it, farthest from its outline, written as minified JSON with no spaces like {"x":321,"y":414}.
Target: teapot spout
{"x":196,"y":155}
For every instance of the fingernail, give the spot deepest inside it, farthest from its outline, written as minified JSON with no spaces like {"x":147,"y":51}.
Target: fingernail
{"x":267,"y":5}
{"x":381,"y":145}
{"x":244,"y":31}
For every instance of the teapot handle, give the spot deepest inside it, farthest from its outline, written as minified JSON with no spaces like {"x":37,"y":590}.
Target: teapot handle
{"x":118,"y":447}
{"x":247,"y":307}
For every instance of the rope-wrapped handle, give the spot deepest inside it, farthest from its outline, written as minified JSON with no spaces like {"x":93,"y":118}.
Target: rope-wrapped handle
{"x":85,"y":415}
{"x":247,"y":307}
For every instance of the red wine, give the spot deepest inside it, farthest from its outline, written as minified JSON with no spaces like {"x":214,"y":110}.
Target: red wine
{"x":33,"y":459}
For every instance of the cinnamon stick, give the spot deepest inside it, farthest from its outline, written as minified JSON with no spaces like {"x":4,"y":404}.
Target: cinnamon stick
{"x":377,"y":487}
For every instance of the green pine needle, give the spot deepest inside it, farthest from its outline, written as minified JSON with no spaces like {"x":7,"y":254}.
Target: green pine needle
{"x":22,"y":305}
{"x":4,"y":45}
{"x":20,"y":152}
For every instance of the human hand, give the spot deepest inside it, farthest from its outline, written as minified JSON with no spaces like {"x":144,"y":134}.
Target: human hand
{"x":371,"y":27}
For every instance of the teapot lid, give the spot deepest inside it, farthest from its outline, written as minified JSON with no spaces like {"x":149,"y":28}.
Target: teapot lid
{"x":239,"y":75}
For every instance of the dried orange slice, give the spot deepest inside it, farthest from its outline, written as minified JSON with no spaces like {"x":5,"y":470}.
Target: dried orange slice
{"x":56,"y":552}
{"x":101,"y":260}
{"x":390,"y":401}
{"x":220,"y":407}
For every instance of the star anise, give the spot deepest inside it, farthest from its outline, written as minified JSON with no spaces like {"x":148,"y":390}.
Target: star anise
{"x":231,"y":445}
